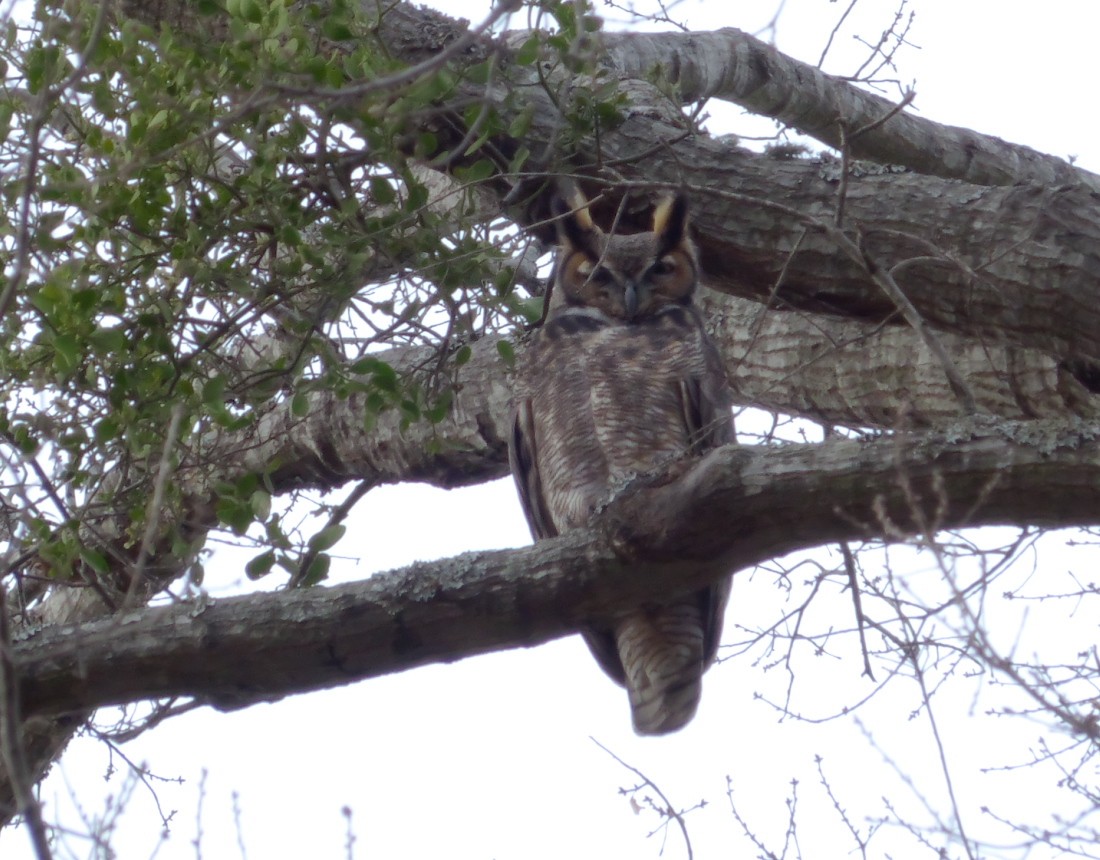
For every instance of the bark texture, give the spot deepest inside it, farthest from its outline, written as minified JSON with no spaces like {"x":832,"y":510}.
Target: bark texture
{"x":995,"y":247}
{"x":736,"y":507}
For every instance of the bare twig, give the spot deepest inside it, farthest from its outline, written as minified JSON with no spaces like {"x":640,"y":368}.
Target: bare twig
{"x":668,"y":810}
{"x":154,"y":510}
{"x":410,"y":74}
{"x":339,"y":514}
{"x":857,"y":603}
{"x":11,"y":740}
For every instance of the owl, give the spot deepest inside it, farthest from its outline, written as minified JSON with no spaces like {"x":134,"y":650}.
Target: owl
{"x":622,"y":380}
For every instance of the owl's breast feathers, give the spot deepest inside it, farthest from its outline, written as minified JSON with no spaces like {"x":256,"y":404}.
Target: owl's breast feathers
{"x":600,"y":400}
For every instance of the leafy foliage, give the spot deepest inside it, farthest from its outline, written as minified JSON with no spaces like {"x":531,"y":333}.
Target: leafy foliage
{"x":203,"y":232}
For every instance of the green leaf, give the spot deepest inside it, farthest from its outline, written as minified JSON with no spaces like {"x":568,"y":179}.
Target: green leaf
{"x":608,"y":113}
{"x":232,"y":513}
{"x":327,"y":538}
{"x":528,"y":52}
{"x":67,"y":353}
{"x":463,"y":355}
{"x":479,"y":73}
{"x":365,"y":365}
{"x":318,"y":570}
{"x":261,"y":504}
{"x":275,"y":534}
{"x":507,"y":353}
{"x":382,"y":191}
{"x":519,"y":159}
{"x":289,"y":236}
{"x":522,"y":122}
{"x":246,"y":485}
{"x":260,"y":565}
{"x":441,"y":408}
{"x":566,"y":18}
{"x":531,"y":309}
{"x":410,"y":410}
{"x":110,"y":340}
{"x":383,"y":375}
{"x":479,"y":171}
{"x":299,"y":405}
{"x":416,"y":196}
{"x":252,"y":11}
{"x":159,"y":119}
{"x":94,"y":559}
{"x":41,"y":63}
{"x":375,"y":403}
{"x":106,"y":429}
{"x":7,"y":111}
{"x":213,"y":391}
{"x":281,"y":21}
{"x":337,"y":30}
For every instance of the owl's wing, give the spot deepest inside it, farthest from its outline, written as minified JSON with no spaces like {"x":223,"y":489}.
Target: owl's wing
{"x":708,"y":419}
{"x":705,"y":403}
{"x":524,"y":463}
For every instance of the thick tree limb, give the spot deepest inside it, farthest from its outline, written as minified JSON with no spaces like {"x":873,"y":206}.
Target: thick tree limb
{"x":1015,"y":263}
{"x":733,"y":66}
{"x":736,"y":507}
{"x":800,"y":364}
{"x":859,"y":374}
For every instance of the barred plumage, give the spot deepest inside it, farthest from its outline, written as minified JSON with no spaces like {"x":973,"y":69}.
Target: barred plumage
{"x":622,"y":380}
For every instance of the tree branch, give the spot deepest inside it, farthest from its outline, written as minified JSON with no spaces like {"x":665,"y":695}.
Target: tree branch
{"x":1009,"y":261}
{"x":733,"y":66}
{"x":736,"y":507}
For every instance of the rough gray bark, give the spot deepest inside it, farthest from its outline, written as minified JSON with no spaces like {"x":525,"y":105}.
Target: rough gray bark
{"x":1003,"y":264}
{"x":736,"y":507}
{"x":733,"y":66}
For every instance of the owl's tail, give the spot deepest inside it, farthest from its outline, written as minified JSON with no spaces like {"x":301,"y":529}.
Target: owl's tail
{"x":662,"y":652}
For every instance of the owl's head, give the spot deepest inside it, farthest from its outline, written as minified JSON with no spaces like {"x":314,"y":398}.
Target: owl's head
{"x":627,"y":277}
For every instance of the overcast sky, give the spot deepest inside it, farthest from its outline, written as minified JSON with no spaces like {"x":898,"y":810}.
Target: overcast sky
{"x":493,"y":757}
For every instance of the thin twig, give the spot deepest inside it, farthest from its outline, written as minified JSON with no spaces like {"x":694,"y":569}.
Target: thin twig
{"x":835,"y":30}
{"x":906,"y":100}
{"x":338,"y":515}
{"x":890,"y":287}
{"x":405,"y":76}
{"x":11,"y":740}
{"x":846,"y":139}
{"x":668,"y":804}
{"x":156,"y":500}
{"x":857,"y":602}
{"x":942,"y":753}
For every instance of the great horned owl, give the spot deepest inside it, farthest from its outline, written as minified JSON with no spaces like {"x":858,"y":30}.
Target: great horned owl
{"x":622,"y":380}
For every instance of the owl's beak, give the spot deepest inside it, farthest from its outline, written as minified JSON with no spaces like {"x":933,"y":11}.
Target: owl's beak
{"x":630,"y":300}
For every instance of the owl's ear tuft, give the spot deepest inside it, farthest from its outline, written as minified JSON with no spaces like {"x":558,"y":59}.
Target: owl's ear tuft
{"x":670,"y":219}
{"x":576,"y":228}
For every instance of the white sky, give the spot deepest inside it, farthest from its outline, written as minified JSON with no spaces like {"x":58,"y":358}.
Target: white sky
{"x":492,"y":757}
